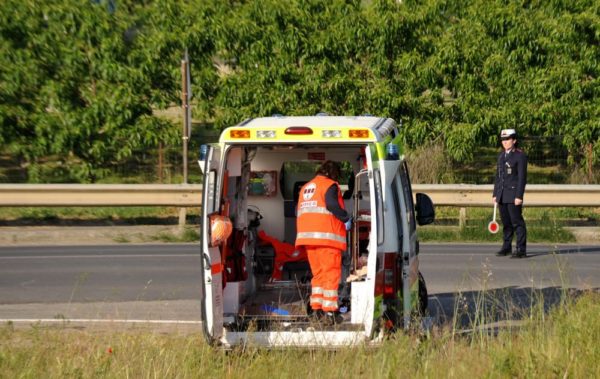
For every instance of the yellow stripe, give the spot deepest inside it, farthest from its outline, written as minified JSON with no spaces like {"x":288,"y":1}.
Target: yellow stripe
{"x":321,"y":236}
{"x":280,"y":135}
{"x":315,"y":210}
{"x":330,"y":293}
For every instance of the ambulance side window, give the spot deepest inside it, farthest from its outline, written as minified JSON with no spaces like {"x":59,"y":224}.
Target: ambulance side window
{"x":396,"y":193}
{"x":407,"y":193}
{"x":379,"y":205}
{"x":211,"y":188}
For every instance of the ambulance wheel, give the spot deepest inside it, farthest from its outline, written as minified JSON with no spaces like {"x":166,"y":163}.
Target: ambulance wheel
{"x":423,"y":300}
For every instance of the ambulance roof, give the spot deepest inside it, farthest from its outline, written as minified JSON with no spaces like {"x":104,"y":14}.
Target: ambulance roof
{"x":316,"y":121}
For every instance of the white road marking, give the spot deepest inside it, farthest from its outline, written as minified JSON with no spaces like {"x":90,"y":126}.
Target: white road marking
{"x":93,"y":320}
{"x":104,"y":256}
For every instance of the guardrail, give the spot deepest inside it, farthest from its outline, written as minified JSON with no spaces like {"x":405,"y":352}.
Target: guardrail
{"x":536,"y":195}
{"x":190,"y":195}
{"x":98,"y":195}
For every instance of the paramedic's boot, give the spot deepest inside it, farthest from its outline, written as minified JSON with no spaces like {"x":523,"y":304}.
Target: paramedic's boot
{"x":316,"y":316}
{"x":333,"y":318}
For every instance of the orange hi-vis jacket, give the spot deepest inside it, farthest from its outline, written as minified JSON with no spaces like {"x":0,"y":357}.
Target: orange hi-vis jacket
{"x":316,"y":226}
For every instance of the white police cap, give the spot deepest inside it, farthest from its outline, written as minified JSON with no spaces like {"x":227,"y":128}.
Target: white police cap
{"x":508,"y":133}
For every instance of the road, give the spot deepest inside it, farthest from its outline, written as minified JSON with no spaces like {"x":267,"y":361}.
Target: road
{"x":163,"y":281}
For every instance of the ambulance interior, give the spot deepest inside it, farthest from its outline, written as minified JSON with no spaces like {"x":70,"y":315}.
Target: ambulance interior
{"x":267,"y":281}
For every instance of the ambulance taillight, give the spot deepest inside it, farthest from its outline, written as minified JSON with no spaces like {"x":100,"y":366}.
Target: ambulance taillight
{"x":389,"y":275}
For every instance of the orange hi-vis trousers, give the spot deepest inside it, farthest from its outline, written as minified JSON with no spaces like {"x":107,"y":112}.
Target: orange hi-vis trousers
{"x":326,"y":266}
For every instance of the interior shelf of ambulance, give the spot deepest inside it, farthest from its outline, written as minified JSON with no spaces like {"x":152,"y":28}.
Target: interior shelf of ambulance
{"x":267,"y":280}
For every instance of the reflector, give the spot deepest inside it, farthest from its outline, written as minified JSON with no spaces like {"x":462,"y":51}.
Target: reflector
{"x":358,"y":133}
{"x":239,"y":133}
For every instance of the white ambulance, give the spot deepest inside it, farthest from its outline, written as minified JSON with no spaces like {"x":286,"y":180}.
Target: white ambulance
{"x":255,"y":288}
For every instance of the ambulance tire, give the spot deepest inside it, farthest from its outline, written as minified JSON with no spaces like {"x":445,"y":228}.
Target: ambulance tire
{"x":423,"y":300}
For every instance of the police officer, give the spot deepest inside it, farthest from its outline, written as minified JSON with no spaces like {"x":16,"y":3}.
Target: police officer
{"x":509,"y":188}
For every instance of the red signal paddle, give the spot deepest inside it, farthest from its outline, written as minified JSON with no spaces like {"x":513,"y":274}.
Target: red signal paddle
{"x":493,"y":226}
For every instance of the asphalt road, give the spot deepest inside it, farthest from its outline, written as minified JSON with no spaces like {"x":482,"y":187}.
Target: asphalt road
{"x":163,"y":281}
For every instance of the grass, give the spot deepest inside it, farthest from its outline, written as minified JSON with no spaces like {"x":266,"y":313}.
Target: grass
{"x":561,"y":215}
{"x":103,"y":216}
{"x":552,"y":233}
{"x":189,"y":234}
{"x":543,"y":224}
{"x":563,"y":343}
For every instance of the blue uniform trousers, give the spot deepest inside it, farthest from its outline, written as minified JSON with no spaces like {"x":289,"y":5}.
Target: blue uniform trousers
{"x":512,"y":219}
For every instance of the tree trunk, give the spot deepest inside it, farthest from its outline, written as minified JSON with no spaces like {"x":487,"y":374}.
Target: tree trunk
{"x":589,"y":159}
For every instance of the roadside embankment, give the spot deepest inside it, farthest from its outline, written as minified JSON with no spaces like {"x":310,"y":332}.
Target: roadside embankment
{"x":98,"y":235}
{"x":89,"y":235}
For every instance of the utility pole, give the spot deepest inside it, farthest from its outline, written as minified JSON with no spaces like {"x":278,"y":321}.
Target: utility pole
{"x":186,"y":94}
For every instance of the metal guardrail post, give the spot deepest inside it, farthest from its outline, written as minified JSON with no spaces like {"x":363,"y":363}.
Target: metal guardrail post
{"x":462,"y":217}
{"x":182,"y":218}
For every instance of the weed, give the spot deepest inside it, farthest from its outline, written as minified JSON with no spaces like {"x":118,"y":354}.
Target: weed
{"x":188,"y":234}
{"x":121,"y":239}
{"x":107,"y":216}
{"x":543,"y":224}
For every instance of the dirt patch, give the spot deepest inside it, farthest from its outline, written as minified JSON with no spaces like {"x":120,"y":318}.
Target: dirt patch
{"x":75,"y":235}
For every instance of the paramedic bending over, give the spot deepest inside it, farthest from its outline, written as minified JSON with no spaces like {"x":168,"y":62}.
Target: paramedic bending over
{"x":321,"y":224}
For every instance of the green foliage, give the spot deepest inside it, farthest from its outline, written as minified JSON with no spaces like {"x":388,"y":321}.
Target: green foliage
{"x":91,"y":215}
{"x":77,"y":86}
{"x":79,"y":80}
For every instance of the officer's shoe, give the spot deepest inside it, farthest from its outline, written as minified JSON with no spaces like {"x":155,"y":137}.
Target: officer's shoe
{"x":519,"y":254}
{"x":503,"y":252}
{"x":333,"y":318}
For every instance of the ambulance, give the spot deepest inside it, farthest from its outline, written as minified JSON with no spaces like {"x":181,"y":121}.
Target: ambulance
{"x":256,"y":286}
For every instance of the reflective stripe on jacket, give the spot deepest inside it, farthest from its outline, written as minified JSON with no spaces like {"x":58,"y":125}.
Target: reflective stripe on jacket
{"x":316,"y":226}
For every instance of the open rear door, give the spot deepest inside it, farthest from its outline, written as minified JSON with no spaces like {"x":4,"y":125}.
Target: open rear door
{"x":410,"y":260}
{"x":212,"y":267}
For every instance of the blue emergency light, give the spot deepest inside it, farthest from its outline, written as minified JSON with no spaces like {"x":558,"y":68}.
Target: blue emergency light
{"x":392,"y":152}
{"x":203,"y":152}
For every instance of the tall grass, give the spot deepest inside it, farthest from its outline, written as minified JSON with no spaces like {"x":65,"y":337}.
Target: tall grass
{"x":563,"y":343}
{"x":543,"y":224}
{"x":103,"y":216}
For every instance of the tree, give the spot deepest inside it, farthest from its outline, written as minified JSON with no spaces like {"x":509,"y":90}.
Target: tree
{"x":74,"y":91}
{"x":79,"y":81}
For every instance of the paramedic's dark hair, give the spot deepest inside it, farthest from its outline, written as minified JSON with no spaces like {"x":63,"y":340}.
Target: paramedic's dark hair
{"x":330,"y":169}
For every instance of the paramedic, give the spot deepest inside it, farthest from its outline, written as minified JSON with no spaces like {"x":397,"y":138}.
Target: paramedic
{"x":322,"y":223}
{"x":509,"y":188}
